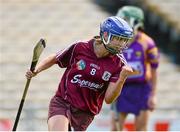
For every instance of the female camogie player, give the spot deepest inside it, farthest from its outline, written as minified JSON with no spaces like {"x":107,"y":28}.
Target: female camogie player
{"x":94,"y":73}
{"x":138,"y":96}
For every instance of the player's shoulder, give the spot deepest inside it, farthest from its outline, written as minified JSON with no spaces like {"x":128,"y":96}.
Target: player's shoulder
{"x":145,"y":38}
{"x":83,"y":44}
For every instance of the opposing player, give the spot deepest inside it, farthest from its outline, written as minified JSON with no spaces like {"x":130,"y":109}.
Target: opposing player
{"x":94,"y":73}
{"x":138,"y":95}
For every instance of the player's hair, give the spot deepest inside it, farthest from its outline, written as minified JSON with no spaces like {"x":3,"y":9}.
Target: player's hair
{"x":98,"y":40}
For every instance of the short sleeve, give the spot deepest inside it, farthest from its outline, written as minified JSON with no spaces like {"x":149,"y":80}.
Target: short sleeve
{"x":64,"y":57}
{"x":115,"y":76}
{"x":153,"y":55}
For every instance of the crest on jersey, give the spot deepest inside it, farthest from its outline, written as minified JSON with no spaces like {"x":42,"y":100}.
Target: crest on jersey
{"x":138,"y":54}
{"x":81,"y":65}
{"x":106,"y":76}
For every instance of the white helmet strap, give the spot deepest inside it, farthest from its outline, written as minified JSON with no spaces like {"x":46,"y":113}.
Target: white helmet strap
{"x":108,"y":40}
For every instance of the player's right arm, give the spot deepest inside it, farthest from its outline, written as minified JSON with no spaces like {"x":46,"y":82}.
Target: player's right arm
{"x":43,"y":65}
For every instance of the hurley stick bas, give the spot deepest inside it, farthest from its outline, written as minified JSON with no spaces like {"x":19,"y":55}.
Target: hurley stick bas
{"x":36,"y":54}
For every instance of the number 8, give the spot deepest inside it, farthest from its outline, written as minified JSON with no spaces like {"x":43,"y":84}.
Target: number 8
{"x":93,"y":71}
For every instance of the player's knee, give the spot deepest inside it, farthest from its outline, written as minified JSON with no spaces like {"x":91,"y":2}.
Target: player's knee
{"x":113,"y":126}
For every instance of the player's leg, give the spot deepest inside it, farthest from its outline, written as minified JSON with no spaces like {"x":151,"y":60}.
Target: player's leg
{"x":124,"y":105}
{"x":122,"y":118}
{"x":58,"y":119}
{"x":141,"y":121}
{"x":117,"y":121}
{"x":80,"y":120}
{"x":58,"y":123}
{"x":114,"y":117}
{"x":113,"y":121}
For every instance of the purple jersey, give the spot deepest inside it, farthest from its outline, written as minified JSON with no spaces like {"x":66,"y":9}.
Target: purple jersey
{"x":86,"y":78}
{"x":141,"y":56}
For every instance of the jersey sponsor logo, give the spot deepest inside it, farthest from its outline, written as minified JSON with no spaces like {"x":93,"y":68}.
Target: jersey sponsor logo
{"x":86,"y":83}
{"x":81,"y":65}
{"x":106,"y":76}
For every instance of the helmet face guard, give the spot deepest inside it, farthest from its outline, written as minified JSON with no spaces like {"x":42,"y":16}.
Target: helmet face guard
{"x":122,"y":40}
{"x":115,"y":27}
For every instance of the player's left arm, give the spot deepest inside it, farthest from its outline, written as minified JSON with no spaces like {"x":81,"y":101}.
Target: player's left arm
{"x":153,"y":58}
{"x":114,"y":88}
{"x":152,"y":100}
{"x":154,"y":81}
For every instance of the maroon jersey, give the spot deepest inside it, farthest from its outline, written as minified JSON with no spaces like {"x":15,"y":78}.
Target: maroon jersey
{"x":86,"y":77}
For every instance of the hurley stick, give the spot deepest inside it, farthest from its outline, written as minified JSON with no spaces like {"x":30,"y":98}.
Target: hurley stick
{"x":36,"y":54}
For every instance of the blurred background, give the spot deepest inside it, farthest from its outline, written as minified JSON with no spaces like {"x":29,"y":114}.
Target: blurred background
{"x":61,"y":22}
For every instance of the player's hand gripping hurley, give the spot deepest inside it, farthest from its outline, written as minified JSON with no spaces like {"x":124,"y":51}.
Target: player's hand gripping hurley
{"x":36,"y":54}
